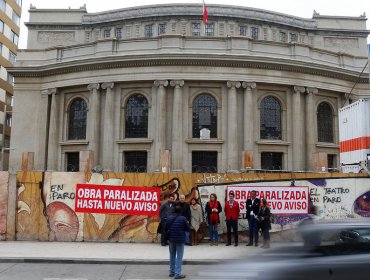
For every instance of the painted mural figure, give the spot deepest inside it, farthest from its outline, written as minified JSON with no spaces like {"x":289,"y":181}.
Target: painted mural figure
{"x":264,"y":215}
{"x":177,"y":226}
{"x":252,"y":207}
{"x":164,"y":212}
{"x":196,"y":219}
{"x":213,"y":210}
{"x":232,"y":211}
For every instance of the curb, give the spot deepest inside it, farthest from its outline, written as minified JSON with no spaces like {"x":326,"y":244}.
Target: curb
{"x":104,"y":261}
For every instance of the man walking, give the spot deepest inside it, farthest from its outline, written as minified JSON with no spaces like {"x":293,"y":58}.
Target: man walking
{"x":177,"y":225}
{"x":232,"y":214}
{"x":252,"y":206}
{"x":164,"y":212}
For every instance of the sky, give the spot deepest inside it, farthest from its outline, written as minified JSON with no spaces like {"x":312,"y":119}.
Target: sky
{"x":300,"y":8}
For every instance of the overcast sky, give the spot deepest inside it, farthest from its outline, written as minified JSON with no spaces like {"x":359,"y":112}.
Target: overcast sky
{"x":300,"y":8}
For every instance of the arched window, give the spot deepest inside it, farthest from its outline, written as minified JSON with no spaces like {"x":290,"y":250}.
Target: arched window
{"x":77,"y":119}
{"x":325,"y":123}
{"x":270,"y":119}
{"x":205,"y":115}
{"x":136,"y":118}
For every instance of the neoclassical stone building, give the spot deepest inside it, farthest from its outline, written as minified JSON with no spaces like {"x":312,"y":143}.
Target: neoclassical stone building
{"x":152,"y":89}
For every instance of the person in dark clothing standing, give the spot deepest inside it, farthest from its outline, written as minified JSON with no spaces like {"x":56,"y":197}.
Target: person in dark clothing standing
{"x":232,"y":211}
{"x":186,"y":212}
{"x":252,"y":207}
{"x":177,"y":226}
{"x":165,"y":211}
{"x":264,"y":216}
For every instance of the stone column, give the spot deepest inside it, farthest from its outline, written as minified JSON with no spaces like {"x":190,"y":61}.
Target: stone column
{"x":177,"y":121}
{"x":248,"y":157}
{"x":94,"y":121}
{"x":53,"y":131}
{"x":298,"y":148}
{"x":232,"y":132}
{"x":108,"y":131}
{"x":160,"y":142}
{"x":310,"y":128}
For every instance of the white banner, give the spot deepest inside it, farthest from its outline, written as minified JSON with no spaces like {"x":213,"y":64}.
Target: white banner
{"x":282,"y":200}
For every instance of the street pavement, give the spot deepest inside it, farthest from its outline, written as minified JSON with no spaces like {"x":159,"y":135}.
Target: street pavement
{"x":115,"y":253}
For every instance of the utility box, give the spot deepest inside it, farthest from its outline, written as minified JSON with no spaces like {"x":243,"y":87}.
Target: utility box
{"x":354,"y":136}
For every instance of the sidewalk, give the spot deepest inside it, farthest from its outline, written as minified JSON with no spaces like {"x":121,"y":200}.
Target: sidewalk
{"x":115,"y":253}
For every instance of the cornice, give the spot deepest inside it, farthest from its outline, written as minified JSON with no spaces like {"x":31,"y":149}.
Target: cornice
{"x":183,"y":10}
{"x":189,"y":60}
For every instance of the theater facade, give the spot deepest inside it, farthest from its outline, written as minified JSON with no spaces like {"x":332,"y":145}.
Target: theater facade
{"x":154,"y":89}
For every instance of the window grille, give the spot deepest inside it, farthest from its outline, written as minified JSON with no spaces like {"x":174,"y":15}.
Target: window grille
{"x":325,"y":123}
{"x":254,"y":33}
{"x":209,"y":29}
{"x":271,"y":161}
{"x":195,"y":29}
{"x":135,"y":161}
{"x":205,"y":115}
{"x":204,"y":162}
{"x":270,"y":119}
{"x":149,"y":30}
{"x":136,"y":117}
{"x":73,"y":162}
{"x":242,"y":30}
{"x":77,"y":120}
{"x":161,"y":28}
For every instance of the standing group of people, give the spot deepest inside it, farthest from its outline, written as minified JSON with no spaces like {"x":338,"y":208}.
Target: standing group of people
{"x":181,"y":222}
{"x":257,"y":212}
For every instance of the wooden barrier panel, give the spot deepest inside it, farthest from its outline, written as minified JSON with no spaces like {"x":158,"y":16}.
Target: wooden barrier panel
{"x":46,"y":201}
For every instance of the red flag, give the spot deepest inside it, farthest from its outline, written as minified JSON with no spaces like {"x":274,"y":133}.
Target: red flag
{"x":205,"y":13}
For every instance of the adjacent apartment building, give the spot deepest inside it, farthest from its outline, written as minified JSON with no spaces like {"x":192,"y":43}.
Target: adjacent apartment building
{"x":10,"y":14}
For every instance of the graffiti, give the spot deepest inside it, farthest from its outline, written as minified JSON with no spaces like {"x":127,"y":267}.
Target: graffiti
{"x":362,"y":205}
{"x":56,"y":193}
{"x":212,"y":179}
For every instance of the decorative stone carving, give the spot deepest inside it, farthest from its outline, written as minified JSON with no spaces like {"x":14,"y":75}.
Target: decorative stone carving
{"x":161,"y":83}
{"x":299,"y":89}
{"x":205,"y":133}
{"x":251,"y":85}
{"x":235,"y":84}
{"x":312,"y":90}
{"x":61,"y":37}
{"x":177,"y":83}
{"x":107,"y":85}
{"x":93,"y":86}
{"x":52,"y":91}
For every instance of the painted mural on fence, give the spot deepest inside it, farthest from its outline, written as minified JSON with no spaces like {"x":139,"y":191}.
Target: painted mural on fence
{"x":46,"y":202}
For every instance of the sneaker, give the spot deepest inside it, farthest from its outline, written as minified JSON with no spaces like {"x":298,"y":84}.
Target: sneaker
{"x":228,"y":244}
{"x":171,"y":274}
{"x":182,"y":276}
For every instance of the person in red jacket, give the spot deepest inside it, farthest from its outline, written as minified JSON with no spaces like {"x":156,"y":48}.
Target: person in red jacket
{"x":232,"y":213}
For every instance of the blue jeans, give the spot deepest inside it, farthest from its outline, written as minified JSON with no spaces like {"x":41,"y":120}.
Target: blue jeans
{"x":176,"y":254}
{"x":213,"y":232}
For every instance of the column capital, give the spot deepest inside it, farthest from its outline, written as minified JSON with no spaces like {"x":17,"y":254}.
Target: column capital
{"x":52,"y":91}
{"x":249,"y":85}
{"x":312,"y":90}
{"x":235,"y":84}
{"x":107,"y":85}
{"x":177,"y":83}
{"x":93,"y":86}
{"x":161,"y":83}
{"x":298,"y":89}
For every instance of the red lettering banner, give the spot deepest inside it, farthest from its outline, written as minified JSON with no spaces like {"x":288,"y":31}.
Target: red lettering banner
{"x":137,"y":201}
{"x":282,"y":200}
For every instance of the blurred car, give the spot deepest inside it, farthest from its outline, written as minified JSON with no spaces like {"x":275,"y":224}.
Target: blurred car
{"x":354,"y":235}
{"x":317,"y":256}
